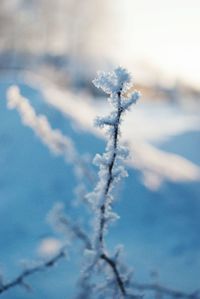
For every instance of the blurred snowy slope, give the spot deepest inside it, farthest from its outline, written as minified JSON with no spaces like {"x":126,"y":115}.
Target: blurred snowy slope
{"x":145,"y":127}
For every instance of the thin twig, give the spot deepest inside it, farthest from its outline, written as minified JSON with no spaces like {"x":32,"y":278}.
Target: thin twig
{"x":113,"y":266}
{"x":19,"y":280}
{"x":82,"y":236}
{"x":77,"y":231}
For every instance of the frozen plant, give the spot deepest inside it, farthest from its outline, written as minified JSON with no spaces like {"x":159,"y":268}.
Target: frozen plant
{"x":104,"y":275}
{"x":111,"y":169}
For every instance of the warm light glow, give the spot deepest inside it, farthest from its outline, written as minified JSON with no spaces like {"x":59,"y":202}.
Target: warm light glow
{"x":164,"y":34}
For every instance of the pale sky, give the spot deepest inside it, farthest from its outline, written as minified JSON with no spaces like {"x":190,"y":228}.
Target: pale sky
{"x":164,"y":33}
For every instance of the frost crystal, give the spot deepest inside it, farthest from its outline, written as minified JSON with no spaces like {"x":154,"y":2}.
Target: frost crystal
{"x":113,"y":82}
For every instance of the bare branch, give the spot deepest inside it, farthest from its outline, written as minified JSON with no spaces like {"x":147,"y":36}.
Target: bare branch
{"x":77,"y":231}
{"x":19,"y":280}
{"x":113,"y":266}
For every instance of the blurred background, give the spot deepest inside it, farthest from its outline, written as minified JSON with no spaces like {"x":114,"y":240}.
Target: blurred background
{"x":159,"y":41}
{"x":52,"y":49}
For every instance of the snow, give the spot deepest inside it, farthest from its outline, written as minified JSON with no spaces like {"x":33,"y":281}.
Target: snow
{"x":52,"y":138}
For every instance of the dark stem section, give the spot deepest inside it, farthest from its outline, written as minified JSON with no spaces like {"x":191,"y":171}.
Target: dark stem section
{"x":113,"y":266}
{"x":110,"y":171}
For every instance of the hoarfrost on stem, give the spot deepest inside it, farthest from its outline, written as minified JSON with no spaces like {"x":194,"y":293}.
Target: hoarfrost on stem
{"x":117,"y":85}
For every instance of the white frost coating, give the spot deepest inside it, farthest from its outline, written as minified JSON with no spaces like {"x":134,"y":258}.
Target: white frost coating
{"x":110,"y":163}
{"x":113,"y":82}
{"x":57,"y":143}
{"x":132,"y":100}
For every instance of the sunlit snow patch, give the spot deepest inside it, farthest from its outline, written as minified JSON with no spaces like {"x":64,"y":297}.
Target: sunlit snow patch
{"x":49,"y":247}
